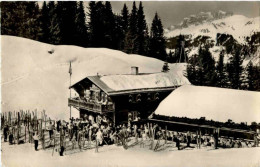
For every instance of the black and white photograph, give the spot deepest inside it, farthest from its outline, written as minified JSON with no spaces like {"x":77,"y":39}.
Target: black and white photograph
{"x":130,"y":83}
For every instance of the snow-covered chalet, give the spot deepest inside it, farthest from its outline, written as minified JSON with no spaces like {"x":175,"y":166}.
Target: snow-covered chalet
{"x":124,"y":97}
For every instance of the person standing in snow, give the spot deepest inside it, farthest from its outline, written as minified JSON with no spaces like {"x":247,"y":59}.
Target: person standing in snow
{"x":75,"y":131}
{"x":11,"y":136}
{"x":256,"y":142}
{"x":99,"y":136}
{"x":122,"y":136}
{"x":62,"y":141}
{"x":188,"y":139}
{"x":215,"y":135}
{"x":43,"y":139}
{"x":70,"y":131}
{"x":51,"y":127}
{"x":91,"y":119}
{"x":6,"y":129}
{"x":146,"y":130}
{"x":30,"y":133}
{"x":177,"y":139}
{"x":36,"y":140}
{"x":135,"y":133}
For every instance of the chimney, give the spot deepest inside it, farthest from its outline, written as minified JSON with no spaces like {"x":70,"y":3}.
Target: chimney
{"x":134,"y":70}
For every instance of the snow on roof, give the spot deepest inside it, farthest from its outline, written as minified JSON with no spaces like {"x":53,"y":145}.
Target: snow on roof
{"x":155,"y":80}
{"x":218,"y":104}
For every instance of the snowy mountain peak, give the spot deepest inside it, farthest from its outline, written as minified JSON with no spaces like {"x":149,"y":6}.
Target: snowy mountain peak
{"x":221,"y":34}
{"x":200,"y":18}
{"x":238,"y":26}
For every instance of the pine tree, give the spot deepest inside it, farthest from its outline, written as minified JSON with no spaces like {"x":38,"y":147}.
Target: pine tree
{"x":201,"y":69}
{"x":221,"y":72}
{"x":130,"y":44}
{"x":66,"y":13}
{"x":118,"y":33}
{"x":157,"y":48}
{"x":256,"y":76}
{"x":142,"y":32}
{"x":8,"y":18}
{"x":235,"y":69}
{"x":109,"y":25}
{"x":250,"y":76}
{"x":54,"y":29}
{"x":81,"y":27}
{"x":124,"y":22}
{"x":20,"y":19}
{"x":208,"y":64}
{"x":96,"y":24}
{"x":165,"y":67}
{"x":125,"y":18}
{"x":191,"y":72}
{"x":170,"y":57}
{"x":92,"y":22}
{"x":45,"y":23}
{"x":33,"y":22}
{"x":133,"y":20}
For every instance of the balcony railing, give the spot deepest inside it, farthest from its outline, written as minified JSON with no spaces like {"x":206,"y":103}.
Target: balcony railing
{"x":91,"y":106}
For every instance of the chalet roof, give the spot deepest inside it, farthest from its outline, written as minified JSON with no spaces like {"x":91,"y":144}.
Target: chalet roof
{"x":125,"y":84}
{"x":218,"y":104}
{"x":99,"y":83}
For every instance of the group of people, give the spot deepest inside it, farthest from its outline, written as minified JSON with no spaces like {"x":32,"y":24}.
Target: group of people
{"x":99,"y":130}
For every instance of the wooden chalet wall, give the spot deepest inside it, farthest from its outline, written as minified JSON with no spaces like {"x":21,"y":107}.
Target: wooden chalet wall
{"x":142,"y":103}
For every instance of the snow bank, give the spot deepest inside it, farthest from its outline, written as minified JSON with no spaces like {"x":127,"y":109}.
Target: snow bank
{"x":35,"y":75}
{"x":218,"y":104}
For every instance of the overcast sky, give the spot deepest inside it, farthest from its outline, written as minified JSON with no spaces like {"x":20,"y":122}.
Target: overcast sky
{"x":173,"y":12}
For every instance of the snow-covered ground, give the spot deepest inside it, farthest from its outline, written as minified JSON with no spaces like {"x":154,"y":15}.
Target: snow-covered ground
{"x":35,"y":75}
{"x":238,"y":26}
{"x":218,"y":104}
{"x":25,"y":156}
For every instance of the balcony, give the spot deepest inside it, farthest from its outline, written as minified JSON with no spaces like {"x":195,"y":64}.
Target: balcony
{"x":91,"y":106}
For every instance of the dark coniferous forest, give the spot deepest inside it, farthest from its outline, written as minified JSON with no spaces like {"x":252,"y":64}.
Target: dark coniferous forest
{"x":68,"y":23}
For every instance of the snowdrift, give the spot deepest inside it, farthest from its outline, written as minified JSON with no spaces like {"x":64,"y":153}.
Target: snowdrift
{"x":218,"y":104}
{"x":35,"y":75}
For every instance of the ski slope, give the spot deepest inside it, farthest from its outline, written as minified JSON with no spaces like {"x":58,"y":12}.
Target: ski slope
{"x":238,"y":26}
{"x":35,"y":75}
{"x":218,"y":104}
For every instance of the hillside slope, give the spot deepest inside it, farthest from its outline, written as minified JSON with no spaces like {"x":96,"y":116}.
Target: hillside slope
{"x":35,"y":75}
